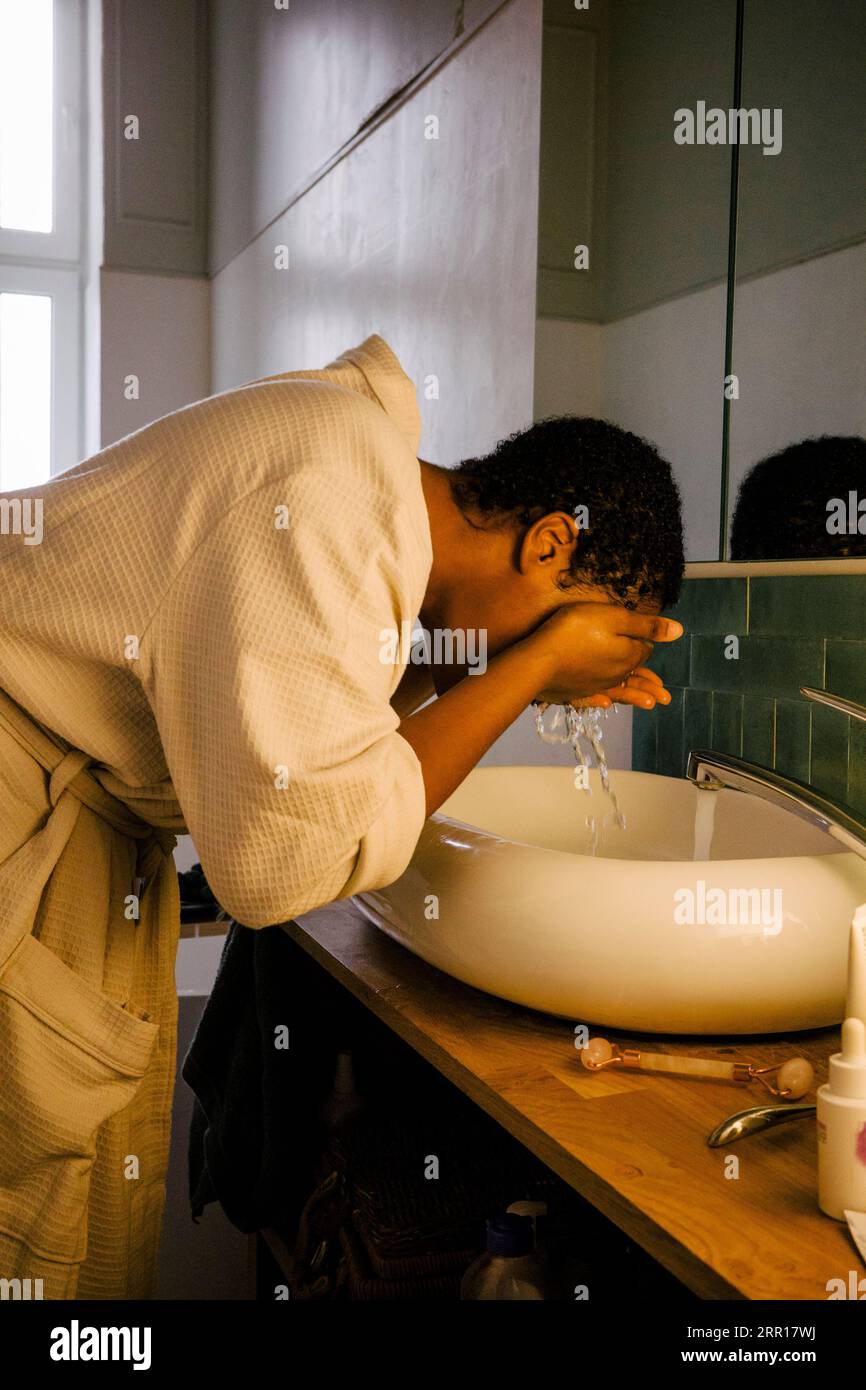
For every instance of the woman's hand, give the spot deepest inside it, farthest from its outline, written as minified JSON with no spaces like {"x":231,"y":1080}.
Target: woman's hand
{"x":595,"y":649}
{"x":643,"y":689}
{"x":581,"y":649}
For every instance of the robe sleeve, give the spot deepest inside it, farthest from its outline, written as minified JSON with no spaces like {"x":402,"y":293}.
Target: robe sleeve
{"x":264,"y":667}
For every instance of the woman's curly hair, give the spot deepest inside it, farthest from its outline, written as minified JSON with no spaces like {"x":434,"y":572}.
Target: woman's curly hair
{"x":784,"y":500}
{"x":633,"y":544}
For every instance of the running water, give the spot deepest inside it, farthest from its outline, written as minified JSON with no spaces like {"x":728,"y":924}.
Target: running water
{"x":570,"y":725}
{"x":705,"y":816}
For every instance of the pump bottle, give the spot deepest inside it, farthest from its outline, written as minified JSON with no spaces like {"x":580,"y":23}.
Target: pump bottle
{"x":841,"y":1102}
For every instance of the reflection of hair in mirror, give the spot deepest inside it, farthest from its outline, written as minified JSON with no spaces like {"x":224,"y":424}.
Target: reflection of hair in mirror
{"x":633,"y":542}
{"x":804,"y":501}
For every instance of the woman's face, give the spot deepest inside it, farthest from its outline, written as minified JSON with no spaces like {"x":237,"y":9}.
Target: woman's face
{"x":501,"y":618}
{"x":495,"y":584}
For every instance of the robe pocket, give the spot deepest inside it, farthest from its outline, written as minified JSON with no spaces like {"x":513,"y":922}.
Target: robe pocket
{"x":69,"y":1059}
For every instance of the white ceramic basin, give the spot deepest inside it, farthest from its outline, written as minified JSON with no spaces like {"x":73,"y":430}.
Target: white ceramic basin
{"x":526,"y":910}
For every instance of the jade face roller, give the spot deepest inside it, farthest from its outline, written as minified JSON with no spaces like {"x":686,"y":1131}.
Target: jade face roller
{"x":793,"y":1078}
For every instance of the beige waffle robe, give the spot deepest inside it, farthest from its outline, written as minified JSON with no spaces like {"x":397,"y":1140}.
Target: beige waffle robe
{"x":194,"y":645}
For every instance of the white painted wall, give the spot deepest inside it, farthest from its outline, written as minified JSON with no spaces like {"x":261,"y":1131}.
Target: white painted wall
{"x":568,"y":358}
{"x":799,"y":355}
{"x":196,"y":965}
{"x":292,"y":84}
{"x":404,"y":237}
{"x":662,"y":373}
{"x":156,"y":327}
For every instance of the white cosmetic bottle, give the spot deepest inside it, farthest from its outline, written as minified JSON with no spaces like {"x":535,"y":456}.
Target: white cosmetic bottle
{"x":841,"y":1102}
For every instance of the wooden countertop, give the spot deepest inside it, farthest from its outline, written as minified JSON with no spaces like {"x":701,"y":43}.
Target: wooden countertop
{"x":633,"y":1145}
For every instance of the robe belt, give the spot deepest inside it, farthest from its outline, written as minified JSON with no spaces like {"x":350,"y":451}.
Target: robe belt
{"x":68,"y":772}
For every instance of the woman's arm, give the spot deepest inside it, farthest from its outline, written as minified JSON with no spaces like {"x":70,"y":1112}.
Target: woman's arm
{"x":452,"y":733}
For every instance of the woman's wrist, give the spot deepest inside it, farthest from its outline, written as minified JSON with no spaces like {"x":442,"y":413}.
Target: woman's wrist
{"x":540,"y":657}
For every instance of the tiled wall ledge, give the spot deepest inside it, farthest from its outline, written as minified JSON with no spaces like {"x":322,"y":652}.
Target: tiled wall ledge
{"x":741,"y":569}
{"x":792,"y":630}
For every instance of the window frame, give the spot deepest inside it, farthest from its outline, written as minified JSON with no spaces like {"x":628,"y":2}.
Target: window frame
{"x":64,"y":242}
{"x":63,"y":289}
{"x":52,"y":263}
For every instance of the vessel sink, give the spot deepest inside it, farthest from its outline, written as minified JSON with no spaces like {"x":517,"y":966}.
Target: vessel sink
{"x":510,"y":891}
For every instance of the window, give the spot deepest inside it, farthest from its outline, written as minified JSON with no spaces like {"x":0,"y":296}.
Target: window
{"x":41,"y":238}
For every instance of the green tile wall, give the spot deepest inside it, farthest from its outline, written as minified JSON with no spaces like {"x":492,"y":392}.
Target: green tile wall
{"x":792,"y":631}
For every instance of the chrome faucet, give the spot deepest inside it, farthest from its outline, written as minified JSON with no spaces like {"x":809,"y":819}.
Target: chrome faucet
{"x":823,"y":697}
{"x":715,"y":770}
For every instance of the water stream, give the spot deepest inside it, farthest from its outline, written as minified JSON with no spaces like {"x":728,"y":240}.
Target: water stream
{"x":705,"y":817}
{"x":581,"y":727}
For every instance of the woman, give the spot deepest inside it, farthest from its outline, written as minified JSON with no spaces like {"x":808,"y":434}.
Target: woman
{"x":197,"y":644}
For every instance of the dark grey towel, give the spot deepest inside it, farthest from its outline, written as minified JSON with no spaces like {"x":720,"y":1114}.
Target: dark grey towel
{"x":255,"y":1131}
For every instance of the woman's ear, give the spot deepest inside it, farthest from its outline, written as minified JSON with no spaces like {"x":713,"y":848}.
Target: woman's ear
{"x":549,"y":541}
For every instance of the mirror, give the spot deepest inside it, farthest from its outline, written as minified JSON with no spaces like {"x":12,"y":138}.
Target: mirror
{"x":633,"y":231}
{"x":665,"y":124}
{"x":797,"y":484}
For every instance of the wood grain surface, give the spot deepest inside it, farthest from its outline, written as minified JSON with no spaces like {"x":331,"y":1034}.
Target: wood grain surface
{"x":633,"y":1145}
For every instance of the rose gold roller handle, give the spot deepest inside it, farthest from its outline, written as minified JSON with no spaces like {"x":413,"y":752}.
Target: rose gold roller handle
{"x":794,"y":1077}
